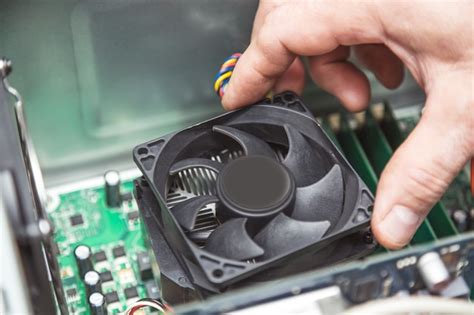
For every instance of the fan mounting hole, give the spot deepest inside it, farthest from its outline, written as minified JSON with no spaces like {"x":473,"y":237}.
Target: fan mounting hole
{"x":142,"y":151}
{"x":368,"y":238}
{"x":288,"y":97}
{"x":144,"y":182}
{"x":217,"y":273}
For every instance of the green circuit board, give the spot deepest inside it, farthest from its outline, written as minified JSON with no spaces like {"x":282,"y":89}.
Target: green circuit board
{"x":82,"y":217}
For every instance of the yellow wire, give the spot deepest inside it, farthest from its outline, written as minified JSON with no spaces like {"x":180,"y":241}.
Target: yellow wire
{"x":229,"y":63}
{"x":220,"y":79}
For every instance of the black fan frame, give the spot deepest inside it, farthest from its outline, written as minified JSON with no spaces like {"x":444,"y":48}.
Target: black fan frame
{"x":214,"y":273}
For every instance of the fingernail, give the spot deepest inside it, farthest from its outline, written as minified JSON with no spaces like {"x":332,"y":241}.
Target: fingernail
{"x":400,"y":224}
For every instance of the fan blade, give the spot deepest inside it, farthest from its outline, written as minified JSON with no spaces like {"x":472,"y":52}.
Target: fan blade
{"x":199,"y":236}
{"x":322,"y":200}
{"x":283,"y":235}
{"x":195,"y":163}
{"x":231,"y":240}
{"x":249,"y":143}
{"x":302,"y":160}
{"x":186,"y":212}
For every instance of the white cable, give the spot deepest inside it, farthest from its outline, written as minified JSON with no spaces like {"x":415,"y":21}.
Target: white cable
{"x":413,"y":305}
{"x":144,"y":303}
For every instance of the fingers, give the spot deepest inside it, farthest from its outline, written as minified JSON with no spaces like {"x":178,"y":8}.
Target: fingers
{"x":264,"y":8}
{"x":249,"y":77}
{"x":422,"y":168}
{"x":254,"y":75}
{"x":293,"y":79}
{"x":333,"y":73}
{"x":303,"y":28}
{"x":386,"y":66}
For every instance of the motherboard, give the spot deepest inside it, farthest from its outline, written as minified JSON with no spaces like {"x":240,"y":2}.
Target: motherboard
{"x":117,"y":247}
{"x":103,"y":222}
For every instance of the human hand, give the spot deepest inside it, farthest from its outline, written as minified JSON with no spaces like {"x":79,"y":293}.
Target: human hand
{"x":434,"y":40}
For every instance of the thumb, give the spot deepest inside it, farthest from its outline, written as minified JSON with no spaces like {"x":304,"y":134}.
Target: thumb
{"x":425,"y":164}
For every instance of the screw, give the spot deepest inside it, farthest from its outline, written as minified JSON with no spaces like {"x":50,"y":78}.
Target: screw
{"x":368,"y":238}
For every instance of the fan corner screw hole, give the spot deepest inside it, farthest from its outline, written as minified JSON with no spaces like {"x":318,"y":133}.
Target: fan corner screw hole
{"x":288,"y":97}
{"x":218,"y":273}
{"x":142,"y":151}
{"x":144,"y":182}
{"x":368,"y":238}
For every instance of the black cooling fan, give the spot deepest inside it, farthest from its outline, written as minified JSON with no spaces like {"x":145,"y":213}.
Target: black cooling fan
{"x":252,"y":195}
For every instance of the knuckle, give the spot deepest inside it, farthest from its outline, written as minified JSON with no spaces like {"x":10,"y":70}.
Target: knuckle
{"x":424,"y":185}
{"x":269,"y":37}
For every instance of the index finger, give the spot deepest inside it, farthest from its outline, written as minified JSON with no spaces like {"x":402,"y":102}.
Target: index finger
{"x":253,"y":77}
{"x":296,"y":28}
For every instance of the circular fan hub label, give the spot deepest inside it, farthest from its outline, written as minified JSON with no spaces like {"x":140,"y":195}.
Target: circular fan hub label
{"x":255,"y":185}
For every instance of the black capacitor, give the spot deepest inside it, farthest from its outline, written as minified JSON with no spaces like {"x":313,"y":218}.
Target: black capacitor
{"x":97,"y":304}
{"x":92,"y":282}
{"x":83,"y":256}
{"x":112,"y":189}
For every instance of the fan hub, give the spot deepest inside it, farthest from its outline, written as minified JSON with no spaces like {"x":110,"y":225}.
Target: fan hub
{"x":255,"y":186}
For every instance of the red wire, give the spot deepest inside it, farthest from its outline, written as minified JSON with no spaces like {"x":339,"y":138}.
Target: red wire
{"x":472,"y":176}
{"x":168,"y":308}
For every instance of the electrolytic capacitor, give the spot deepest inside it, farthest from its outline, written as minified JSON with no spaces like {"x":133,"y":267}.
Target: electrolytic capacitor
{"x":98,"y":304}
{"x":83,"y":256}
{"x":92,"y":282}
{"x":112,"y":189}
